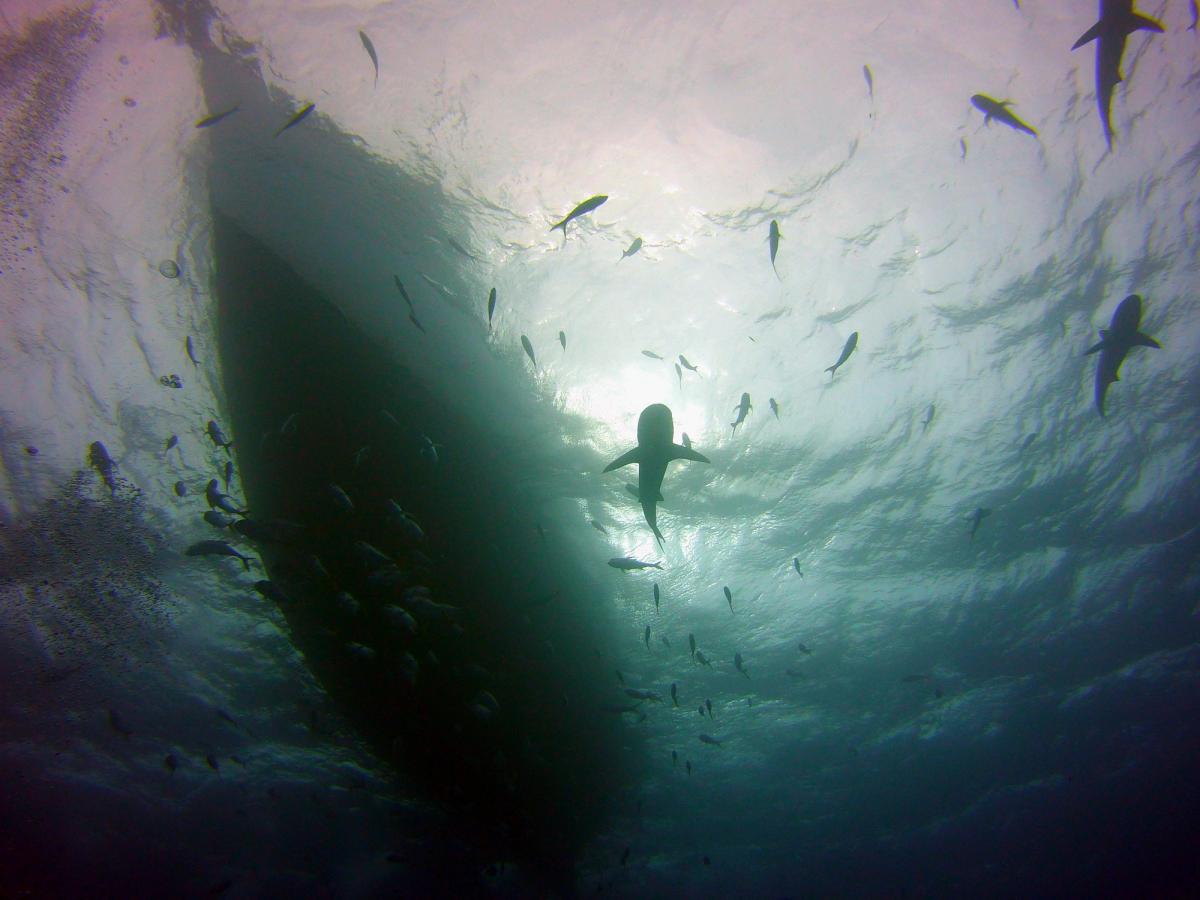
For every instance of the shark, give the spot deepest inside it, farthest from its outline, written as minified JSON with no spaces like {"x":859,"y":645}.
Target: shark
{"x":1116,"y":341}
{"x":1117,"y":22}
{"x":998,"y":110}
{"x":655,"y":448}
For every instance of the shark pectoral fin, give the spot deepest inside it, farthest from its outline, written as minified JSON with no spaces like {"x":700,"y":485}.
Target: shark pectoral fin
{"x":630,"y":456}
{"x":1145,"y":23}
{"x":1090,"y":35}
{"x":1144,"y":340}
{"x":678,"y":451}
{"x":1095,"y":349}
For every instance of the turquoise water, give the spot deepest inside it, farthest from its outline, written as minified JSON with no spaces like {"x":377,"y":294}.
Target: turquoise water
{"x":931,"y":708}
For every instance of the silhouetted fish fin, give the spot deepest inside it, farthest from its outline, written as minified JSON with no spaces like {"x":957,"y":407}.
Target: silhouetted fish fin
{"x":1087,"y":37}
{"x":1145,"y":23}
{"x":630,"y":456}
{"x":1144,"y":340}
{"x":678,"y":451}
{"x":1095,"y":349}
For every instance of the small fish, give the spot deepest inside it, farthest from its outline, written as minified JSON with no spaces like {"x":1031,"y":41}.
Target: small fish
{"x":228,"y":473}
{"x":685,"y":440}
{"x":679,"y":375}
{"x":998,"y":110}
{"x":646,"y":637}
{"x":582,"y":209}
{"x":633,"y":248}
{"x":743,"y":409}
{"x":803,"y":649}
{"x":692,"y":644}
{"x":739,"y":665}
{"x":429,"y":449}
{"x":371,"y":557}
{"x":171,"y":761}
{"x":688,"y":763}
{"x":208,"y":121}
{"x":978,"y":516}
{"x":674,"y":695}
{"x":529,"y":350}
{"x":928,"y":418}
{"x":709,"y":739}
{"x":700,"y":709}
{"x":674,"y":759}
{"x":403,"y":292}
{"x":216,"y":548}
{"x":363,"y":653}
{"x":708,"y":706}
{"x":339,"y":497}
{"x":180,"y":489}
{"x":629,"y":564}
{"x":271,"y":591}
{"x":99,"y":460}
{"x":847,"y":349}
{"x":217,"y":436}
{"x":702,"y":659}
{"x":370,"y":48}
{"x":172,"y":443}
{"x":361,"y":454}
{"x":683,"y":361}
{"x":491,"y":306}
{"x":436,"y":285}
{"x":562,"y":339}
{"x":651,"y":354}
{"x":212,"y":763}
{"x":962,"y":146}
{"x":656,"y":596}
{"x":620,"y":678}
{"x":191,"y":350}
{"x":774,"y":406}
{"x":600,"y":528}
{"x":870,"y":82}
{"x":217,"y":520}
{"x":117,"y":724}
{"x":297,"y":118}
{"x":773,"y":238}
{"x":729,"y":598}
{"x":1029,"y":439}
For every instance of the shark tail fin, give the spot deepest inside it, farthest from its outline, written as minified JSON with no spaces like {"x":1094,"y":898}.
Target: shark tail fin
{"x":1144,"y":340}
{"x":630,"y":456}
{"x":1145,"y":23}
{"x":678,"y":451}
{"x":832,"y":370}
{"x":1087,"y":37}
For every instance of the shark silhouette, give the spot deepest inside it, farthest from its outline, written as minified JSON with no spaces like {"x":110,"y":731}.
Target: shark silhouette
{"x":1117,"y":22}
{"x":1121,"y":336}
{"x":655,"y":448}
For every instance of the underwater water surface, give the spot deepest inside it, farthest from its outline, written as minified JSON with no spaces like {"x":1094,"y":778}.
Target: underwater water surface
{"x":923,"y":617}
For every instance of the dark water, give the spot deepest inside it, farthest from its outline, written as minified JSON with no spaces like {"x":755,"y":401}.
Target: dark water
{"x":531,"y":780}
